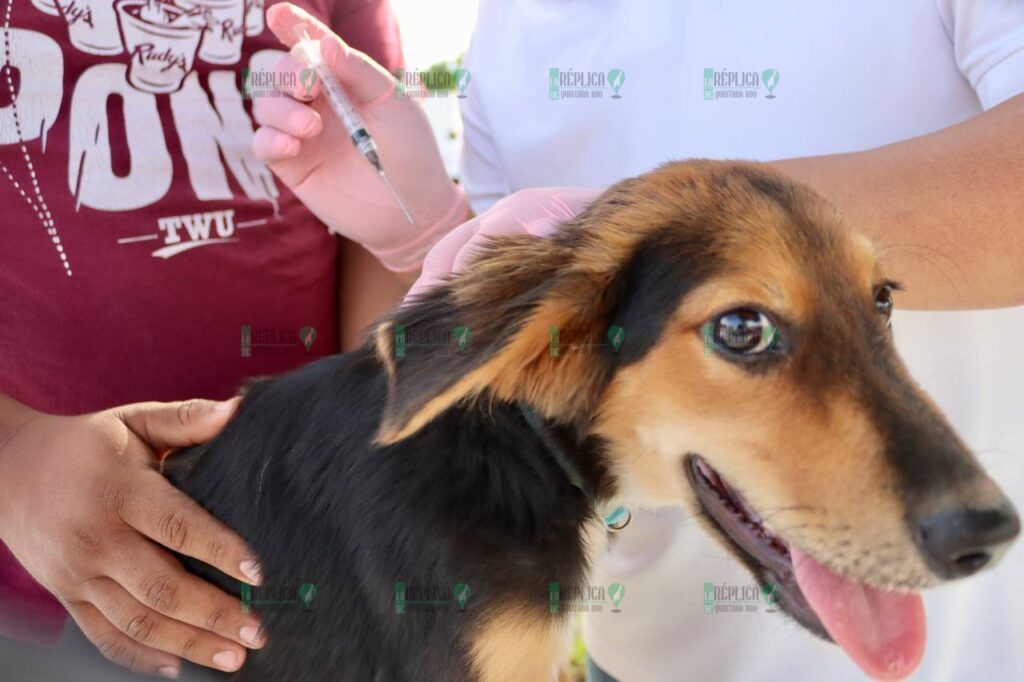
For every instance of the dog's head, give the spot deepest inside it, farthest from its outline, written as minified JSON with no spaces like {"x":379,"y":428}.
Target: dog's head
{"x":727,"y":336}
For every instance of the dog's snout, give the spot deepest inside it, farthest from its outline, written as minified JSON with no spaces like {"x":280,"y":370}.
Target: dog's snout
{"x":960,"y":541}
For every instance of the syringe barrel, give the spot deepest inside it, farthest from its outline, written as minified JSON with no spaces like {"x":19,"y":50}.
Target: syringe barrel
{"x":340,"y":102}
{"x":367,"y":147}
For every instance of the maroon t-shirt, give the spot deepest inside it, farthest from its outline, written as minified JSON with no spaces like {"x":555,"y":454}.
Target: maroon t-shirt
{"x":146,"y":253}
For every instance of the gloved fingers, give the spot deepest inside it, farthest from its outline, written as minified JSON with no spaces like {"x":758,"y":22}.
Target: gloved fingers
{"x":531,"y":211}
{"x":294,"y":79}
{"x":284,"y":17}
{"x":270,"y":145}
{"x":364,"y":80}
{"x":288,"y":116}
{"x":440,"y":259}
{"x":536,"y":212}
{"x":563,"y":204}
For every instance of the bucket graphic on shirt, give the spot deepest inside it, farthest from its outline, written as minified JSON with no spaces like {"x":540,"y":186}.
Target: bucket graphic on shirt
{"x":47,"y":6}
{"x":254,"y":22}
{"x":225,"y":28}
{"x":92,"y":25}
{"x":162,"y":41}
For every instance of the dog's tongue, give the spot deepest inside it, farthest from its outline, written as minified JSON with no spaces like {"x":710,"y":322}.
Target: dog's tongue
{"x":883,"y":632}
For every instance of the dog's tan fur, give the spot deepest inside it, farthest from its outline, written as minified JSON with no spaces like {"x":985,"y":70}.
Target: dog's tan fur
{"x":514,"y":646}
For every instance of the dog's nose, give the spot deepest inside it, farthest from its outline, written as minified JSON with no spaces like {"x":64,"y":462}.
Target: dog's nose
{"x":962,"y":541}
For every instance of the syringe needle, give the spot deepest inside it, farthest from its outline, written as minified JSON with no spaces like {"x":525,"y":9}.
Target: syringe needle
{"x":398,"y":200}
{"x":308,"y":50}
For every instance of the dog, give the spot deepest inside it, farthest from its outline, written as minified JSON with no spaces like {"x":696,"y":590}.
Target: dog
{"x":710,"y":334}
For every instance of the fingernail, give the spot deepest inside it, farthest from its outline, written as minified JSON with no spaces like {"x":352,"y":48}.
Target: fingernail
{"x":251,"y":570}
{"x":169,"y":672}
{"x":226,"y":660}
{"x":251,"y":636}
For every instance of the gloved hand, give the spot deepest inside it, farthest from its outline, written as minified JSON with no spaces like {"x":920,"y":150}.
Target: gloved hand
{"x":303,"y":142}
{"x":529,"y":211}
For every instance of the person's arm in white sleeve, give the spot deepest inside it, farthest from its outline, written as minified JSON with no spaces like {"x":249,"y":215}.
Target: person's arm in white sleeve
{"x":944,"y":209}
{"x":988,"y":44}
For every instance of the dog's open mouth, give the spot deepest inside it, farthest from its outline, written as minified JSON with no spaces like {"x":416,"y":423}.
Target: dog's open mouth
{"x":882,"y":631}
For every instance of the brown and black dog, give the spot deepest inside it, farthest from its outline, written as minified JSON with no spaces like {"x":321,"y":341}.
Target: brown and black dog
{"x":710,"y":335}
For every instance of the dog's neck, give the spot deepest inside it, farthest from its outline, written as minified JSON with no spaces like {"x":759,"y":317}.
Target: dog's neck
{"x":567,"y":450}
{"x":553,"y":442}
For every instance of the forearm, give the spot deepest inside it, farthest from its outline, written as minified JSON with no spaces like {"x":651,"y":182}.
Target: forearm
{"x":366,"y":290}
{"x":944,"y":209}
{"x":13,"y":415}
{"x":405,"y":279}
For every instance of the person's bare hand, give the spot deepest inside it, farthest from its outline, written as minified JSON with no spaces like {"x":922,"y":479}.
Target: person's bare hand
{"x":85,"y":511}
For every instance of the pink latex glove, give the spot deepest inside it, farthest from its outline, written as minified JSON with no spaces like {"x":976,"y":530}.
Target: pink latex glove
{"x":303,"y":142}
{"x":529,"y":211}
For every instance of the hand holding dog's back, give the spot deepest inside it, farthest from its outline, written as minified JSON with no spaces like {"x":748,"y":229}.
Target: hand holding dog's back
{"x":82,"y":500}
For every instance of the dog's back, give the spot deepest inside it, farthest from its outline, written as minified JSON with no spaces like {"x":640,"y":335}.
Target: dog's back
{"x":296,"y":475}
{"x":252,"y":477}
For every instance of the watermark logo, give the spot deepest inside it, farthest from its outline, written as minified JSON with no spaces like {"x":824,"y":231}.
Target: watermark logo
{"x":457,"y":339}
{"x":440,"y":81}
{"x":263,"y":596}
{"x":616,"y":77}
{"x":585,"y":598}
{"x":258,"y":83}
{"x":461,"y":336}
{"x":559,"y":344}
{"x":462,"y":593}
{"x":573,"y":84}
{"x":616,"y":335}
{"x":462,"y":78}
{"x":770,"y":78}
{"x":276,"y":341}
{"x":726,"y":84}
{"x":710,"y":344}
{"x":726,"y":598}
{"x":308,"y":336}
{"x":431,"y":597}
{"x":308,"y":79}
{"x":616,"y":592}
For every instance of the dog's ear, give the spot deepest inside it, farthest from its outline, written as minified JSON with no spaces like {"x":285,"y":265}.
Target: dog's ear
{"x":545,"y":321}
{"x":501,"y":327}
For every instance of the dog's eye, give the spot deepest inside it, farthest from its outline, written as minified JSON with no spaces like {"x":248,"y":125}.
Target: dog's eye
{"x":883,"y":301}
{"x":743,"y":331}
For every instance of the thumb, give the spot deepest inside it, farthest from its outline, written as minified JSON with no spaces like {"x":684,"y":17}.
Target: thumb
{"x":175,"y":425}
{"x":438,"y":262}
{"x":363,"y":79}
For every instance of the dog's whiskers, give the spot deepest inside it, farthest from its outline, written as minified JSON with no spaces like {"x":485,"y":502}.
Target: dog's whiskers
{"x":773,"y":511}
{"x":910,"y":249}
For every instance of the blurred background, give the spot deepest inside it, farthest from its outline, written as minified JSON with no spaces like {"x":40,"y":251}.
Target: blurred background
{"x":432,"y":36}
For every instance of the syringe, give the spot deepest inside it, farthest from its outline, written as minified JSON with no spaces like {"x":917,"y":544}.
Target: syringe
{"x":308,"y":50}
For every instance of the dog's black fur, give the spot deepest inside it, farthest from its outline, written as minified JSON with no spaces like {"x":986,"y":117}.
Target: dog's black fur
{"x":295,"y":476}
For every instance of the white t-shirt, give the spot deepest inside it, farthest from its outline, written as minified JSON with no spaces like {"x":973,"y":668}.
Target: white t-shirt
{"x":845,"y":75}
